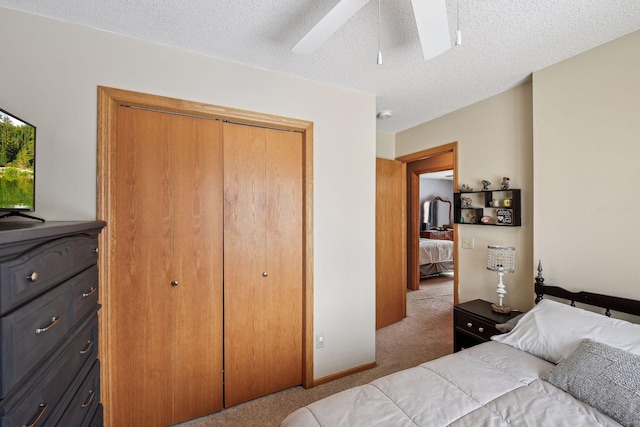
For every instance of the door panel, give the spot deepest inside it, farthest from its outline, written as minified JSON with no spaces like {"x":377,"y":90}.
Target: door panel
{"x":262,"y":262}
{"x":244,"y":261}
{"x":197,"y":267}
{"x":142,"y":307}
{"x":167,"y":339}
{"x":284,"y":257}
{"x":391,"y":300}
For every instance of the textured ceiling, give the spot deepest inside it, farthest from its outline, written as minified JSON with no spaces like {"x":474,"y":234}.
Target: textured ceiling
{"x":504,"y":41}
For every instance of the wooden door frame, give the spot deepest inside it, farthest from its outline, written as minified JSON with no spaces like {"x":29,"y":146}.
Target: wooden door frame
{"x":108,"y":101}
{"x":414,"y":197}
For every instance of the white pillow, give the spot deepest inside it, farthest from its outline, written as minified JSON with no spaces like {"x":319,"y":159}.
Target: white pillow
{"x":552,"y":331}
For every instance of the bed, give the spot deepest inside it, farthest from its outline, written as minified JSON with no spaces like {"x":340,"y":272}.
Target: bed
{"x":435,"y":256}
{"x":585,"y":373}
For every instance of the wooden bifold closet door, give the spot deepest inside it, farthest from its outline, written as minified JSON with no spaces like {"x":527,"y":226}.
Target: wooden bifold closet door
{"x":206,"y":285}
{"x":167,"y":312}
{"x":262,"y":261}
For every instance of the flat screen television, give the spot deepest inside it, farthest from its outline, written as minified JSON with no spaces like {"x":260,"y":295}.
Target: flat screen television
{"x":17,"y":166}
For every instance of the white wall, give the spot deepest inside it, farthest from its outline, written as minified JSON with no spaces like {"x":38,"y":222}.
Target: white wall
{"x":494,"y":140}
{"x":386,"y":145}
{"x":575,"y":129}
{"x":50,"y":71}
{"x":587,"y":166}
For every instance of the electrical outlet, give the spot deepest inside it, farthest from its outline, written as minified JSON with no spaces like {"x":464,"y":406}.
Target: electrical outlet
{"x":319,"y":341}
{"x":467,"y":242}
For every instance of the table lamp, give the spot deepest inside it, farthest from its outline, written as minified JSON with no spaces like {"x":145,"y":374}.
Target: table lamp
{"x":501,"y":259}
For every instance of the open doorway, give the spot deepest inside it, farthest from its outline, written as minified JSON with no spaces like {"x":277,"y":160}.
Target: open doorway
{"x":397,"y":264}
{"x":437,"y":159}
{"x":435,"y":253}
{"x":435,"y":256}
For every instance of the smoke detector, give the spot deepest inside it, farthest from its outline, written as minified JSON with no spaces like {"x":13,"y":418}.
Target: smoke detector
{"x":384,"y":114}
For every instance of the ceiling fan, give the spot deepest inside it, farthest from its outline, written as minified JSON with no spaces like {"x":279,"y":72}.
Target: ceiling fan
{"x":430,"y":15}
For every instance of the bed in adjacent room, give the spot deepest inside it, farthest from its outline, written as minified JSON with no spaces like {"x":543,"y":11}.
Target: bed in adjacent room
{"x":559,"y":366}
{"x":435,"y":256}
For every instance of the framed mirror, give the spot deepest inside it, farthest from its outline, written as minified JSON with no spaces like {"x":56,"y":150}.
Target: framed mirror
{"x":436,"y":214}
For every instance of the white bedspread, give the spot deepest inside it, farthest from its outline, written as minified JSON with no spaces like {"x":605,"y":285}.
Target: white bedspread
{"x":490,"y":384}
{"x":433,"y":251}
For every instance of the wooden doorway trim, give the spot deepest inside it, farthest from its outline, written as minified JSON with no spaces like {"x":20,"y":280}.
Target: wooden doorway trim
{"x":108,"y":101}
{"x":413,"y":197}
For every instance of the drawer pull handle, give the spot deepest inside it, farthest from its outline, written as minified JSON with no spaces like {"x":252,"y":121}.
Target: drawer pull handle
{"x":33,"y":277}
{"x":480,"y":329}
{"x":95,"y":250}
{"x":54,"y":321}
{"x":87,"y":348}
{"x":41,"y":410}
{"x":92,"y":291}
{"x":469,"y":325}
{"x":87,"y":402}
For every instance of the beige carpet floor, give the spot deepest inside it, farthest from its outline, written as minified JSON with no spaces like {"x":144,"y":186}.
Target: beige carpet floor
{"x":425,"y":334}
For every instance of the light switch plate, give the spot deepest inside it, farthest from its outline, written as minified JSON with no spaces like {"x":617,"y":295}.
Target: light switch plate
{"x":467,"y":242}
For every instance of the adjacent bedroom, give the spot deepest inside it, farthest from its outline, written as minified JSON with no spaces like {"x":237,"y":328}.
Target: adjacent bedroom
{"x":343,"y":213}
{"x":436,"y":224}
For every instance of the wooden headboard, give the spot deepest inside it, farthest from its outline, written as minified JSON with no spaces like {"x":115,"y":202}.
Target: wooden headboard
{"x":607,"y":302}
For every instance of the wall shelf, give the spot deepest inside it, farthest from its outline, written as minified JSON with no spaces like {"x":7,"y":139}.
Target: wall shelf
{"x":491,"y":207}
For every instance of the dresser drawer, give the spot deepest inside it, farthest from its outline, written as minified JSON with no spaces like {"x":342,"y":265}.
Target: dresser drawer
{"x":84,"y":293}
{"x":85,"y":401}
{"x":97,"y":419}
{"x":31,"y":333}
{"x":48,"y":391}
{"x":43,"y":267}
{"x":475,"y":326}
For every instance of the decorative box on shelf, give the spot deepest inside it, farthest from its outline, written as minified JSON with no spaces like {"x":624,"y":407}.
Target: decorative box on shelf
{"x":491,"y":207}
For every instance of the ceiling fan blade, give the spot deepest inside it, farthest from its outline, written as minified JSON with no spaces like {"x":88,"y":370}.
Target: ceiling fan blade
{"x":433,"y":26}
{"x":328,"y":25}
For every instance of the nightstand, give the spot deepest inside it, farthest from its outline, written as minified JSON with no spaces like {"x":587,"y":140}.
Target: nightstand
{"x":475,"y":323}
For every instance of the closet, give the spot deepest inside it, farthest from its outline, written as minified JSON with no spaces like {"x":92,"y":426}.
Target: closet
{"x":205,"y":265}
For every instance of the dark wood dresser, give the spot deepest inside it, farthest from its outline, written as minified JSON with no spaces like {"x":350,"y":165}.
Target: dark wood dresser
{"x":437,"y":234}
{"x":50,"y":372}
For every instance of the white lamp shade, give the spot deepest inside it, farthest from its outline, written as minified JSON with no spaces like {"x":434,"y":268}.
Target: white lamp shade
{"x":501,"y":258}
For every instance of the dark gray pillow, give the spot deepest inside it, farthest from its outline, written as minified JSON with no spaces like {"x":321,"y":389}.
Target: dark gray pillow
{"x":509,"y":324}
{"x":604,"y":377}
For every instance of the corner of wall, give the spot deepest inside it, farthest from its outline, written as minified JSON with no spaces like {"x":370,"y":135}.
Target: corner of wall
{"x":385,"y":145}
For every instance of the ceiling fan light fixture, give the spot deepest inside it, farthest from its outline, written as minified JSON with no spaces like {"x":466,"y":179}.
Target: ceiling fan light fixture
{"x":430,"y":16}
{"x":385,"y":114}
